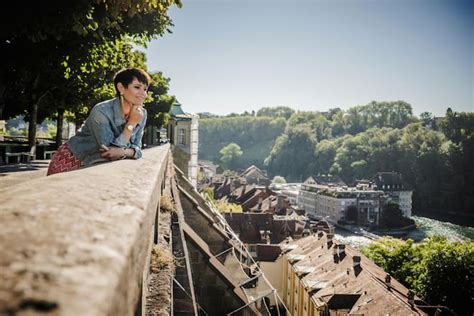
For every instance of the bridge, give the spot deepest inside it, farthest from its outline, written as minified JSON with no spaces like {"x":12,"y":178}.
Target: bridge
{"x":130,"y":237}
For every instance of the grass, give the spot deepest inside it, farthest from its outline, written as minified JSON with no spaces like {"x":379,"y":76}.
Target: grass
{"x":160,"y":259}
{"x":166,"y":204}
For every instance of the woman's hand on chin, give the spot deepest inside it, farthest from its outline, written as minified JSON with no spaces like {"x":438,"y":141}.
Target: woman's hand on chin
{"x":136,"y":114}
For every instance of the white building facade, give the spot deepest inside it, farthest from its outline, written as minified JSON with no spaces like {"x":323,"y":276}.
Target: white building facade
{"x":307,"y":200}
{"x":331,"y":204}
{"x":393,"y":185}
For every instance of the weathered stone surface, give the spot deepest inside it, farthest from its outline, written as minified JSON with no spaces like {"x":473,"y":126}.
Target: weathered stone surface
{"x":7,"y":179}
{"x":75,"y":243}
{"x":161,"y":269}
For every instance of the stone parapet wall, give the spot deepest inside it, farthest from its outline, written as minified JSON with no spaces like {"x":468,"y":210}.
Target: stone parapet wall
{"x":77,"y":243}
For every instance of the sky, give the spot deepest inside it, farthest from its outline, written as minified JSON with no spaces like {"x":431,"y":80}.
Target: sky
{"x":227,"y":56}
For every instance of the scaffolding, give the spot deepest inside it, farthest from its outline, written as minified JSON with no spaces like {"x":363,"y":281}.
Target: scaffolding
{"x":259,"y":296}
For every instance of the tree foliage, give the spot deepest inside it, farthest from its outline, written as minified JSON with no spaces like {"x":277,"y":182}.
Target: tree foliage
{"x":292,"y":155}
{"x":221,"y":206}
{"x":395,"y":114}
{"x":230,"y":154}
{"x":160,"y":105}
{"x":57,"y":48}
{"x":278,"y":111}
{"x":255,"y":136}
{"x":351,"y":214}
{"x":434,"y":159}
{"x":392,"y":217}
{"x":438,"y":270}
{"x":278,"y":180}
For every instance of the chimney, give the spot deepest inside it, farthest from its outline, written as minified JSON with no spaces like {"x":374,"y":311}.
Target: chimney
{"x":237,"y":182}
{"x":259,"y":205}
{"x":280,"y":201}
{"x":341,"y":250}
{"x":411,"y":298}
{"x":356,"y":261}
{"x":243,"y":189}
{"x":329,"y":241}
{"x":231,"y":185}
{"x":387,"y":280}
{"x":329,"y":237}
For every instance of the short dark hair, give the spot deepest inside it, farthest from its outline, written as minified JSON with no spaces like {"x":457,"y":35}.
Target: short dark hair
{"x":126,"y":76}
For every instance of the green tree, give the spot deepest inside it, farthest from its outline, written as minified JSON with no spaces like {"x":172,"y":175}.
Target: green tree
{"x":392,"y":217}
{"x":396,"y":257}
{"x":221,"y":206}
{"x":396,"y":114}
{"x":422,"y":151}
{"x":160,"y":105}
{"x":352,"y":214}
{"x":445,"y":275}
{"x":209,"y":192}
{"x":230,"y":154}
{"x":458,"y":126}
{"x":229,"y":173}
{"x":278,"y":111}
{"x":459,"y":129}
{"x":40,"y":37}
{"x":356,"y":144}
{"x":314,"y":121}
{"x":426,"y":118}
{"x":292,"y":155}
{"x":255,"y":136}
{"x":438,"y":270}
{"x":278,"y":180}
{"x":324,"y":153}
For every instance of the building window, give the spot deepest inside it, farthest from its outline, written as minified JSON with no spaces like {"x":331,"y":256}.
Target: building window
{"x":182,"y":136}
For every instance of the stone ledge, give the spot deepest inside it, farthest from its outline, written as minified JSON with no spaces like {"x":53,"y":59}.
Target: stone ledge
{"x":75,"y":243}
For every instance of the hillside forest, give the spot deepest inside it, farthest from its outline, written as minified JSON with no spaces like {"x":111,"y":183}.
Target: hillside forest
{"x":433,"y":154}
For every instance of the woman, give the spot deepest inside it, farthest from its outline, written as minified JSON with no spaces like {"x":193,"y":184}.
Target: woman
{"x":113,"y":130}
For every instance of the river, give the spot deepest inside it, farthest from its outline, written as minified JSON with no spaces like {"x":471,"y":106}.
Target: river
{"x":425,"y":227}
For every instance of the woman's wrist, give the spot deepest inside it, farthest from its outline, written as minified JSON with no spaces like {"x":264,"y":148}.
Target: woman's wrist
{"x":124,"y":156}
{"x":132,"y":122}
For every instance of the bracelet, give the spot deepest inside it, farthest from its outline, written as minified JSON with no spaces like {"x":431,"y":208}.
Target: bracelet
{"x":124,"y":153}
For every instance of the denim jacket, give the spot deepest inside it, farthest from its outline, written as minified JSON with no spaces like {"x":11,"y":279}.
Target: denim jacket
{"x":104,"y":126}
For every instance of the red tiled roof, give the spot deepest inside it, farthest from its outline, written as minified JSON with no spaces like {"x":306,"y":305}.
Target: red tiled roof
{"x":336,"y":282}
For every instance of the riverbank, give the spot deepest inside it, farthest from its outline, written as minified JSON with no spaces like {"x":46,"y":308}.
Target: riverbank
{"x":357,"y":230}
{"x":447,"y":216}
{"x":397,"y":232}
{"x":427,"y":227}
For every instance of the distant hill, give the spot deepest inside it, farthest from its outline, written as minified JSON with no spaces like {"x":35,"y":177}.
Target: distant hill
{"x":433,"y":154}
